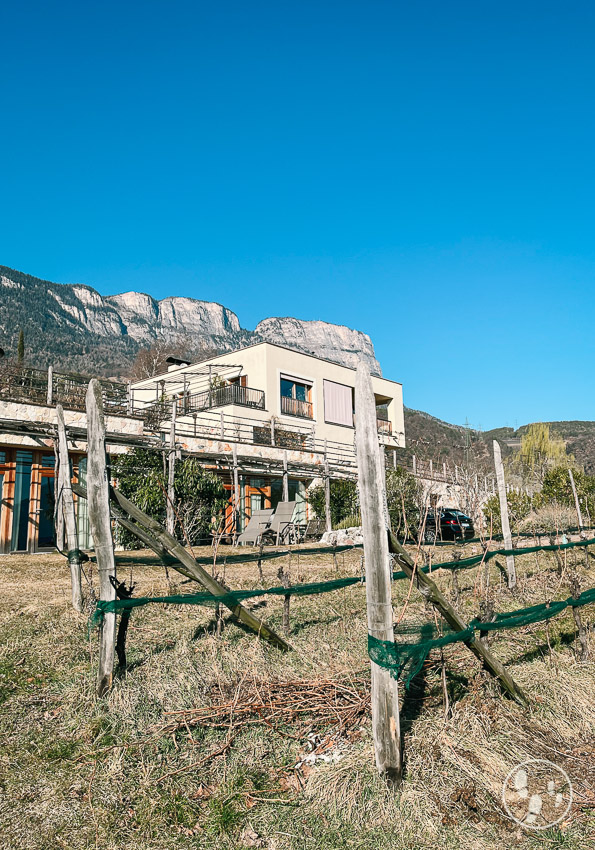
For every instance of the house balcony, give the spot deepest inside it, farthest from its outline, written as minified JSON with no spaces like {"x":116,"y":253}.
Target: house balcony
{"x":222,"y":396}
{"x":27,"y":385}
{"x":384,"y":427}
{"x":295,"y":407}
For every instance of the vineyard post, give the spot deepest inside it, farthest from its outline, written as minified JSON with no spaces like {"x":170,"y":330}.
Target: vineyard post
{"x":385,"y":696}
{"x":66,"y":507}
{"x":170,"y":513}
{"x":510,"y":568}
{"x":100,"y":525}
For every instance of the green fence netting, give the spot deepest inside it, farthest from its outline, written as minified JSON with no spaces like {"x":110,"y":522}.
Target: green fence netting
{"x":230,"y":598}
{"x":235,"y":596}
{"x":406,"y":658}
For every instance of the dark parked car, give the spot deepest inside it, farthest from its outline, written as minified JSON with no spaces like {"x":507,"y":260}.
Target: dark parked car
{"x":452,"y":525}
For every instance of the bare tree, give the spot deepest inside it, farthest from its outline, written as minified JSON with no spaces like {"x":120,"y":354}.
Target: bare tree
{"x":153,"y":360}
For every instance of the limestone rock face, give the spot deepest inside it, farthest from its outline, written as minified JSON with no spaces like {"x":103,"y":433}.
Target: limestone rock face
{"x":322,"y":339}
{"x":197,"y":316}
{"x":146,"y":319}
{"x":73,"y":327}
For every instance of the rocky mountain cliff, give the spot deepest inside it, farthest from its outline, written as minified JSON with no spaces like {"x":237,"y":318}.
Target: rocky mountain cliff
{"x":73,"y":327}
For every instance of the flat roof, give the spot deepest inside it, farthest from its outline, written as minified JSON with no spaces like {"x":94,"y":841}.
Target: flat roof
{"x":275,"y":345}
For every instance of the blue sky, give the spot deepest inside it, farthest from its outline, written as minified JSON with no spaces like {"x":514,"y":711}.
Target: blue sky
{"x":421,"y":171}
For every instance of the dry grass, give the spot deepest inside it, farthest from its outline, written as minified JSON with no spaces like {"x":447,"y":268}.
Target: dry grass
{"x":77,"y":772}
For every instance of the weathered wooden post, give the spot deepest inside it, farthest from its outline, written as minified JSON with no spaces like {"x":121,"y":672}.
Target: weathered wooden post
{"x":67,"y":509}
{"x":577,"y":506}
{"x":285,"y":479}
{"x":170,"y":513}
{"x":510,"y":568}
{"x":385,"y":696}
{"x":100,"y":525}
{"x":434,"y":596}
{"x":236,"y":494}
{"x":327,"y":492}
{"x":50,"y":393}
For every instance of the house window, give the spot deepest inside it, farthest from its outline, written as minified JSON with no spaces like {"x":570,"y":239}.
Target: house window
{"x":338,"y":404}
{"x":296,"y":397}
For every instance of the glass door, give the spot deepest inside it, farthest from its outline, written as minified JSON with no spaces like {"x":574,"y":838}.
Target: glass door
{"x":46,"y":534}
{"x":22,"y":498}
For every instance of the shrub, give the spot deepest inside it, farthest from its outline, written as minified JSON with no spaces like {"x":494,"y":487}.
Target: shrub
{"x":550,"y":518}
{"x":404,"y":498}
{"x":557,"y":488}
{"x":349,"y":522}
{"x":199,"y":494}
{"x":344,"y":501}
{"x":519,"y":507}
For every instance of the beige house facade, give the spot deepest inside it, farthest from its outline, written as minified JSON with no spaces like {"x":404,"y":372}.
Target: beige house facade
{"x":265,"y":382}
{"x":269,"y":420}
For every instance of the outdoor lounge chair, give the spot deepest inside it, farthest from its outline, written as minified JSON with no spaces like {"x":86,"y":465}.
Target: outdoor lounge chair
{"x":259,"y":522}
{"x":281,"y":526}
{"x":314,"y":529}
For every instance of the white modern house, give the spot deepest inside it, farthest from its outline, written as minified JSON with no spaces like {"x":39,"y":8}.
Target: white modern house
{"x":268,"y":419}
{"x":267,"y":410}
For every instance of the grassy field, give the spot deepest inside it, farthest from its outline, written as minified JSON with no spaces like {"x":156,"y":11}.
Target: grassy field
{"x":126,"y":772}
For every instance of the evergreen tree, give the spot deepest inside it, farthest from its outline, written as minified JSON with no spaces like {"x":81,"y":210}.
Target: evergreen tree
{"x":21,"y":346}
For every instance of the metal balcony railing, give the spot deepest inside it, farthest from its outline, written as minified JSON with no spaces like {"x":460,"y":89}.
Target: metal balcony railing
{"x":295,"y":407}
{"x":220,"y":396}
{"x":37,"y":386}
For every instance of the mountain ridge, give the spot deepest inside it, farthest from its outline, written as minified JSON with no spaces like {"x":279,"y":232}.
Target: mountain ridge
{"x":428,"y":437}
{"x":73,"y":326}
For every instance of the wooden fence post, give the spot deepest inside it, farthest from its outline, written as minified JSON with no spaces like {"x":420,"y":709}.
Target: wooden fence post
{"x":327,"y":495}
{"x":236,"y":493}
{"x":100,"y":525}
{"x":50,"y":393}
{"x":385,"y":696}
{"x":510,"y":568}
{"x":170,"y":513}
{"x":67,"y":509}
{"x":434,"y":596}
{"x":189,"y":567}
{"x":285,"y":479}
{"x":577,"y":506}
